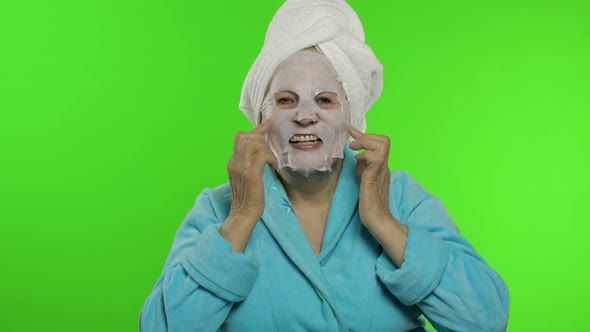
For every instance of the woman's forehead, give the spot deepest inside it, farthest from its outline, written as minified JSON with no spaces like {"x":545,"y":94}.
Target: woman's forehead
{"x":306,"y":68}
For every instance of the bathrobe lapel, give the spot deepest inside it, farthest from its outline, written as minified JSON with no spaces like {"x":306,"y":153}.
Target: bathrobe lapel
{"x":282,"y":223}
{"x":343,"y":207}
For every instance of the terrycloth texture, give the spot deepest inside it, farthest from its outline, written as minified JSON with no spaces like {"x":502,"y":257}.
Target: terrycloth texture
{"x":278,"y":284}
{"x":335,"y":28}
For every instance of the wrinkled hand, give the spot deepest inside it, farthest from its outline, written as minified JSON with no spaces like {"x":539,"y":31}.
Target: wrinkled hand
{"x":373,"y":171}
{"x":251,"y":153}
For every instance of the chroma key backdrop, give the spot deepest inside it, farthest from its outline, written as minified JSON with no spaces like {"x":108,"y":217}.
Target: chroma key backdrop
{"x":114,"y":115}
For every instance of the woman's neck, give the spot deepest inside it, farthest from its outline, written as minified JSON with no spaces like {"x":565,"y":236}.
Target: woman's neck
{"x":315,"y":189}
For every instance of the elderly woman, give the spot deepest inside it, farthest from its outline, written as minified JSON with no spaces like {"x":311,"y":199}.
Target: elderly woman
{"x":310,"y":234}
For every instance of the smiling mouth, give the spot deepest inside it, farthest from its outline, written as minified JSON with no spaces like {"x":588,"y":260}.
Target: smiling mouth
{"x":304,"y":139}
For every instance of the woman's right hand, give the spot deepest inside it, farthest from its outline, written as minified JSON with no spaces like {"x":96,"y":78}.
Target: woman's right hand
{"x":251,"y":153}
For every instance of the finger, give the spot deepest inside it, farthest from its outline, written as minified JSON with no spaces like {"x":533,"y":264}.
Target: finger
{"x":255,"y":148}
{"x":263,"y":127}
{"x":266,"y":155}
{"x":238,"y":138}
{"x":371,"y":158}
{"x":248,"y":142}
{"x":249,"y":152}
{"x":356,"y":145}
{"x":355,"y":133}
{"x":242,"y":140}
{"x":262,"y":158}
{"x":362,"y":158}
{"x":374,"y":142}
{"x":382,"y":143}
{"x":367,"y":142}
{"x":360,"y":164}
{"x":360,"y":168}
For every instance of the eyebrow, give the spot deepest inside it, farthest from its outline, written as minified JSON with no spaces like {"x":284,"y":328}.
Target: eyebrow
{"x":285,"y":90}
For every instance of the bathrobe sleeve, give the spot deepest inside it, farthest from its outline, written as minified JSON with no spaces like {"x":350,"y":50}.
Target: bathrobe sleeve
{"x":442,"y":274}
{"x":202,"y":276}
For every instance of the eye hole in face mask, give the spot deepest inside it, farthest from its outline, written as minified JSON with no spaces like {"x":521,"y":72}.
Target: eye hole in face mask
{"x":289,"y":100}
{"x":327,"y":100}
{"x":286,"y":99}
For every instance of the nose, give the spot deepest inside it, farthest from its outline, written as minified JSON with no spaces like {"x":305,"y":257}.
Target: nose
{"x":306,"y":121}
{"x":305,"y":116}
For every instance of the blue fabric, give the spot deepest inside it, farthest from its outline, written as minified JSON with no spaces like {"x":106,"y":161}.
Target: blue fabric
{"x":279,"y":284}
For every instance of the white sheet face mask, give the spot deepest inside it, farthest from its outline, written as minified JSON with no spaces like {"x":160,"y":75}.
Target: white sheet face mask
{"x":309,"y":113}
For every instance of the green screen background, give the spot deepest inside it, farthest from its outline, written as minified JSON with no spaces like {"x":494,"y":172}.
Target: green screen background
{"x":114,"y":115}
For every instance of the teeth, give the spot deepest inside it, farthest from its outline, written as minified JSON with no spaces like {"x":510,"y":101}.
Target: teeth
{"x":304,"y":139}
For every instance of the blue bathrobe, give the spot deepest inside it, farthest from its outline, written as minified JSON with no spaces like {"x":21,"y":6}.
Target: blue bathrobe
{"x":279,"y":284}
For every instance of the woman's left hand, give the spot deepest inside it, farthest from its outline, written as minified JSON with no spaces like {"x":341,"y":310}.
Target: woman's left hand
{"x":373,"y":171}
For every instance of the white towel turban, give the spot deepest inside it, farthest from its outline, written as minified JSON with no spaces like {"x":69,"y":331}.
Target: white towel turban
{"x":335,"y":29}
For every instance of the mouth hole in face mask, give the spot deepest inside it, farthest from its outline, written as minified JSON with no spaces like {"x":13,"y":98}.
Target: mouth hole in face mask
{"x":304,"y":139}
